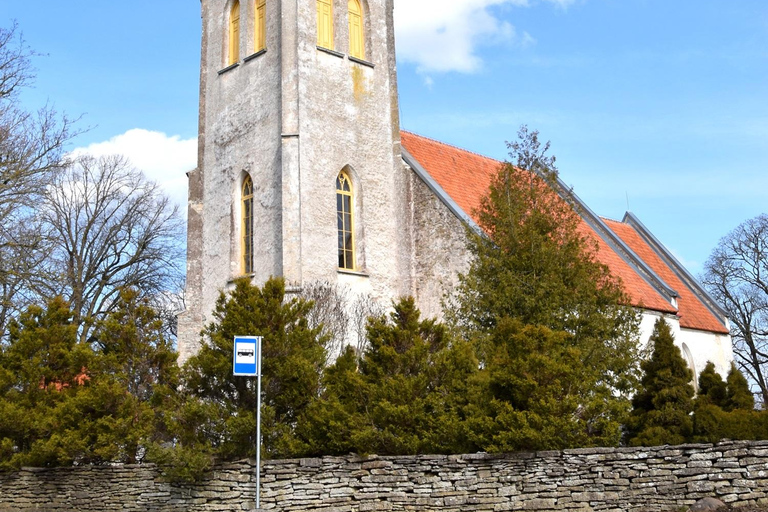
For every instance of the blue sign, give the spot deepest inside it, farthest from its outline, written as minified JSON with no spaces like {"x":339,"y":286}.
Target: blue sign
{"x":246,"y":355}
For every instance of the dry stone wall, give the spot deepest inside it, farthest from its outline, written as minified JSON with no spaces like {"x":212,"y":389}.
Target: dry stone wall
{"x":610,"y":479}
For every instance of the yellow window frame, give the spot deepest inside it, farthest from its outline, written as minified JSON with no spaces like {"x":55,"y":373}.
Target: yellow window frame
{"x":234,"y":33}
{"x":260,"y":34}
{"x":345,"y":222}
{"x":325,"y":24}
{"x":356,"y":32}
{"x":246,"y":248}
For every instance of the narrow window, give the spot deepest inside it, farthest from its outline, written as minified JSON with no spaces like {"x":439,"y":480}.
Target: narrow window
{"x":325,"y":24}
{"x":261,"y":25}
{"x":345,"y":222}
{"x":356,"y":46}
{"x":247,"y":226}
{"x":234,"y":33}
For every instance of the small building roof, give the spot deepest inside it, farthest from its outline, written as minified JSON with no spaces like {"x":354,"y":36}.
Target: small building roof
{"x":652,"y":277}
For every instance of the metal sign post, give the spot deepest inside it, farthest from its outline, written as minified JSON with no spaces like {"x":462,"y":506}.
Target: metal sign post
{"x":247,"y":363}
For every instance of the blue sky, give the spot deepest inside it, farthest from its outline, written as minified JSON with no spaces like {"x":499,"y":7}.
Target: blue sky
{"x":660,"y":104}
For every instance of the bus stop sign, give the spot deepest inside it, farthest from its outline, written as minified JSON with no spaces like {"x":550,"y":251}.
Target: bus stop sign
{"x":246,"y":355}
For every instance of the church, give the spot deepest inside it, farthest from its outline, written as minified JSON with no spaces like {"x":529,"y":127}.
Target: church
{"x":303,"y":172}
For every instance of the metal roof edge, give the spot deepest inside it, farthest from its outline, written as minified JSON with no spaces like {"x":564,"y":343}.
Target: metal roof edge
{"x":691,"y":282}
{"x":618,"y":245}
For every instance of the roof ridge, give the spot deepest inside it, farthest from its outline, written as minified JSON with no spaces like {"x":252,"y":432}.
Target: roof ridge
{"x":453,"y":146}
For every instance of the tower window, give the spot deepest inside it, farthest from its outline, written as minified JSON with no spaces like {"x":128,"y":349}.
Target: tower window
{"x":247,"y":226}
{"x":260,"y":35}
{"x":345,"y":222}
{"x":356,"y":45}
{"x":325,"y":24}
{"x":234,"y":33}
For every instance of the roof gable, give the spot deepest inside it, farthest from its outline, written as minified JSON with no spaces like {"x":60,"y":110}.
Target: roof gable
{"x":651,"y":282}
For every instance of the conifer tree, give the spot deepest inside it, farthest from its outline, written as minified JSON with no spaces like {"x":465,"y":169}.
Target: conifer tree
{"x":725,"y":410}
{"x":739,"y":396}
{"x":662,"y":406}
{"x":219,"y":416}
{"x":66,"y":402}
{"x":535,"y":266}
{"x":404,"y":397}
{"x":712,"y":387}
{"x":535,"y":393}
{"x":534,"y":262}
{"x":40,"y":369}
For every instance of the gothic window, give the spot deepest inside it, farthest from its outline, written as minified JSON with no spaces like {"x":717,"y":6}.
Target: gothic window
{"x":356,"y":46}
{"x":325,"y":24}
{"x":234,"y":33}
{"x":260,"y":35}
{"x":345,"y":222}
{"x":688,"y":356}
{"x":246,"y":249}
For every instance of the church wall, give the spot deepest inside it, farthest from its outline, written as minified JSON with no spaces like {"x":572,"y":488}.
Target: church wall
{"x":708,"y":346}
{"x":239,"y":134}
{"x":345,"y":122}
{"x":292,"y":118}
{"x":696,"y":347}
{"x":440,"y":248}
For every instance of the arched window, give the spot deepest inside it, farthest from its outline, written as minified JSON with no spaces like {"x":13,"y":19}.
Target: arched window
{"x":234,"y":33}
{"x":246,"y":249}
{"x":260,"y":35}
{"x":688,"y":356}
{"x":356,"y":45}
{"x":325,"y":24}
{"x":345,"y":222}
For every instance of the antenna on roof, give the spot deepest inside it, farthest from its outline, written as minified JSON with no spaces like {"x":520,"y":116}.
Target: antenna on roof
{"x":627,"y":194}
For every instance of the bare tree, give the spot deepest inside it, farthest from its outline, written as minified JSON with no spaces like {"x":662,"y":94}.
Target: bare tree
{"x":364,"y":307}
{"x":343,"y":315}
{"x":111,"y":228}
{"x":330,"y":312}
{"x":736,"y":274}
{"x":31,"y":146}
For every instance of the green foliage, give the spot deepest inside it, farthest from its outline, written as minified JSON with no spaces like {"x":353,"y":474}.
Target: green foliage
{"x":134,"y":349}
{"x":535,"y":279}
{"x":535,"y":392}
{"x":218,"y":418}
{"x":404,"y":397}
{"x":725,"y":410}
{"x":712,"y":388}
{"x":40,"y":365}
{"x":662,"y":406}
{"x":64,"y":402}
{"x":739,"y":396}
{"x":533,"y":263}
{"x":712,"y":424}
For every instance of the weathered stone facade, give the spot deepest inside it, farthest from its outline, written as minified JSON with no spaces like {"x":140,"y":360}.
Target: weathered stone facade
{"x":609,"y":479}
{"x":292,"y":117}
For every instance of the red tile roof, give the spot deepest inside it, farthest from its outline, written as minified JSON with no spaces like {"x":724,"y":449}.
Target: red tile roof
{"x":465,"y":177}
{"x":692,"y":311}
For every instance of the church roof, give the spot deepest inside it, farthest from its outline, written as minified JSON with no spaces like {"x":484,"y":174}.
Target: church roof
{"x":652,"y":277}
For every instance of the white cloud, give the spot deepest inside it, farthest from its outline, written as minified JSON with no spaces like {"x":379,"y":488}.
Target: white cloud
{"x":440,"y":36}
{"x":163,"y":159}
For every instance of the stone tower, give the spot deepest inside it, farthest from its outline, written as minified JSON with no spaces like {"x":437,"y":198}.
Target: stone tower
{"x":294,"y":95}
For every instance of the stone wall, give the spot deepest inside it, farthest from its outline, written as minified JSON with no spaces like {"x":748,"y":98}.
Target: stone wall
{"x":623,"y":479}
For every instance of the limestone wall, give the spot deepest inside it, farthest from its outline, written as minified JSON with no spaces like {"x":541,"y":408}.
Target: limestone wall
{"x":623,"y":479}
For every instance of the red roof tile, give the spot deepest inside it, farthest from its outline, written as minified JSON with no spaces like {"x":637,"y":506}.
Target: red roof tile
{"x":465,"y":177}
{"x":693,"y":313}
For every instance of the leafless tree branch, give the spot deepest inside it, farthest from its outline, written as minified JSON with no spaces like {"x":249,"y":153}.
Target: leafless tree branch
{"x":736,"y":274}
{"x":111,"y":228}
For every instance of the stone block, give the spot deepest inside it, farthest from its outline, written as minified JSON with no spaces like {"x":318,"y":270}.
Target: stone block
{"x":539,"y":504}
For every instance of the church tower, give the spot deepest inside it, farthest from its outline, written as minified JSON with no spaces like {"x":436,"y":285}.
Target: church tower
{"x":299,"y":163}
